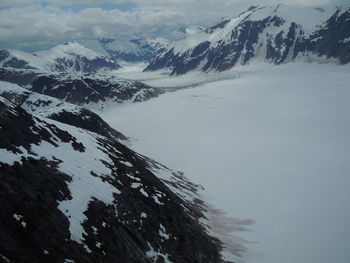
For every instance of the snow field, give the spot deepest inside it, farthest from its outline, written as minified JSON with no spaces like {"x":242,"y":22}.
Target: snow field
{"x":272,"y":147}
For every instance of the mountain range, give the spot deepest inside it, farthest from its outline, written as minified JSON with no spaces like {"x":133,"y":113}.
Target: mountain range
{"x":128,"y":49}
{"x":72,"y":190}
{"x":71,"y":57}
{"x":276,"y":34}
{"x":73,"y":73}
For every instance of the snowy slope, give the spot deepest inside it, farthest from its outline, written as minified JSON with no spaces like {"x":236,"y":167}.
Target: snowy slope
{"x":52,"y":108}
{"x":272,"y":146}
{"x":20,"y":60}
{"x":129,"y":49}
{"x":70,"y":48}
{"x":68,"y":57}
{"x":276,"y":34}
{"x":72,"y":195}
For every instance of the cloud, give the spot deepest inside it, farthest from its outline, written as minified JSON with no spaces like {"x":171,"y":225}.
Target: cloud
{"x":28,"y":26}
{"x":171,"y":3}
{"x":28,"y":23}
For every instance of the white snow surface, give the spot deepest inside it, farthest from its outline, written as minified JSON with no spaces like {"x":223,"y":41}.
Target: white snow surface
{"x":38,"y":104}
{"x":33,"y":61}
{"x":154,"y":255}
{"x":84,"y":186}
{"x":45,"y":60}
{"x":126,"y":45}
{"x":95,"y":45}
{"x":67,"y":49}
{"x":272,"y":146}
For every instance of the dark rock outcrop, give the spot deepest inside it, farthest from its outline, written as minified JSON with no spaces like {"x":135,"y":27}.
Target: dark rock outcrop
{"x":89,"y":89}
{"x":58,"y":110}
{"x":332,"y":40}
{"x":81,"y":89}
{"x":83,"y":64}
{"x":18,"y":76}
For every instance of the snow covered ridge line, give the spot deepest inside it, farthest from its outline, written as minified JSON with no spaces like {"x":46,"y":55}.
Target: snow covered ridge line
{"x":68,"y":57}
{"x":278,"y":34}
{"x":128,"y":49}
{"x":52,"y":108}
{"x":95,"y":91}
{"x":88,"y":199}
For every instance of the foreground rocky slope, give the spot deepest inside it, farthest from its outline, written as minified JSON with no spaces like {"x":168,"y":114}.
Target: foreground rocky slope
{"x":276,"y":34}
{"x":72,"y":195}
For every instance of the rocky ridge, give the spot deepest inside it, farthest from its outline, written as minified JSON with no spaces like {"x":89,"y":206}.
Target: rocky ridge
{"x":278,"y":34}
{"x":75,"y":195}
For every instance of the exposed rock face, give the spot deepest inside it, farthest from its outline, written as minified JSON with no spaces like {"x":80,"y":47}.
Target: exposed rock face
{"x":332,"y":40}
{"x":69,"y":194}
{"x":90,"y":89}
{"x":265,"y":34}
{"x":96,"y":90}
{"x":18,"y":76}
{"x":58,"y":110}
{"x":83,"y":64}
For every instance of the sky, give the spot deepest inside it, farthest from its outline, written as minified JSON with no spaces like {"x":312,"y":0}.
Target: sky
{"x":36,"y":24}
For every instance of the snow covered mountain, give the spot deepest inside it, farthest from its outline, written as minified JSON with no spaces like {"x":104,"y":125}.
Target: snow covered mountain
{"x":129,"y":50}
{"x":58,"y":110}
{"x":73,"y":195}
{"x":68,"y":57}
{"x":93,"y":90}
{"x":276,"y":34}
{"x":73,"y":73}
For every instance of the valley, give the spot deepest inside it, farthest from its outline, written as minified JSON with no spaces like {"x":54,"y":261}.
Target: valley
{"x":174,"y":131}
{"x":271,"y":146}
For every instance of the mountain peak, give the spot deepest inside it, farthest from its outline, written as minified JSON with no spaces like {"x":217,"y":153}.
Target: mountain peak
{"x":277,"y":34}
{"x":66,"y":57}
{"x":70,"y":48}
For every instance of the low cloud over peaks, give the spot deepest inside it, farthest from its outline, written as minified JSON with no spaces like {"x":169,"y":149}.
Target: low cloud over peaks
{"x":33,"y":23}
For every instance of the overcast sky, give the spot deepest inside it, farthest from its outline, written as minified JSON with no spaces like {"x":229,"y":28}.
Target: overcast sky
{"x":30,"y":24}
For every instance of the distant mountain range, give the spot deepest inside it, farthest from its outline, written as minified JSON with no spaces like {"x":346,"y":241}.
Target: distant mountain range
{"x":73,"y":73}
{"x":129,"y":50}
{"x":277,"y":34}
{"x":273,"y":34}
{"x":68,"y":57}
